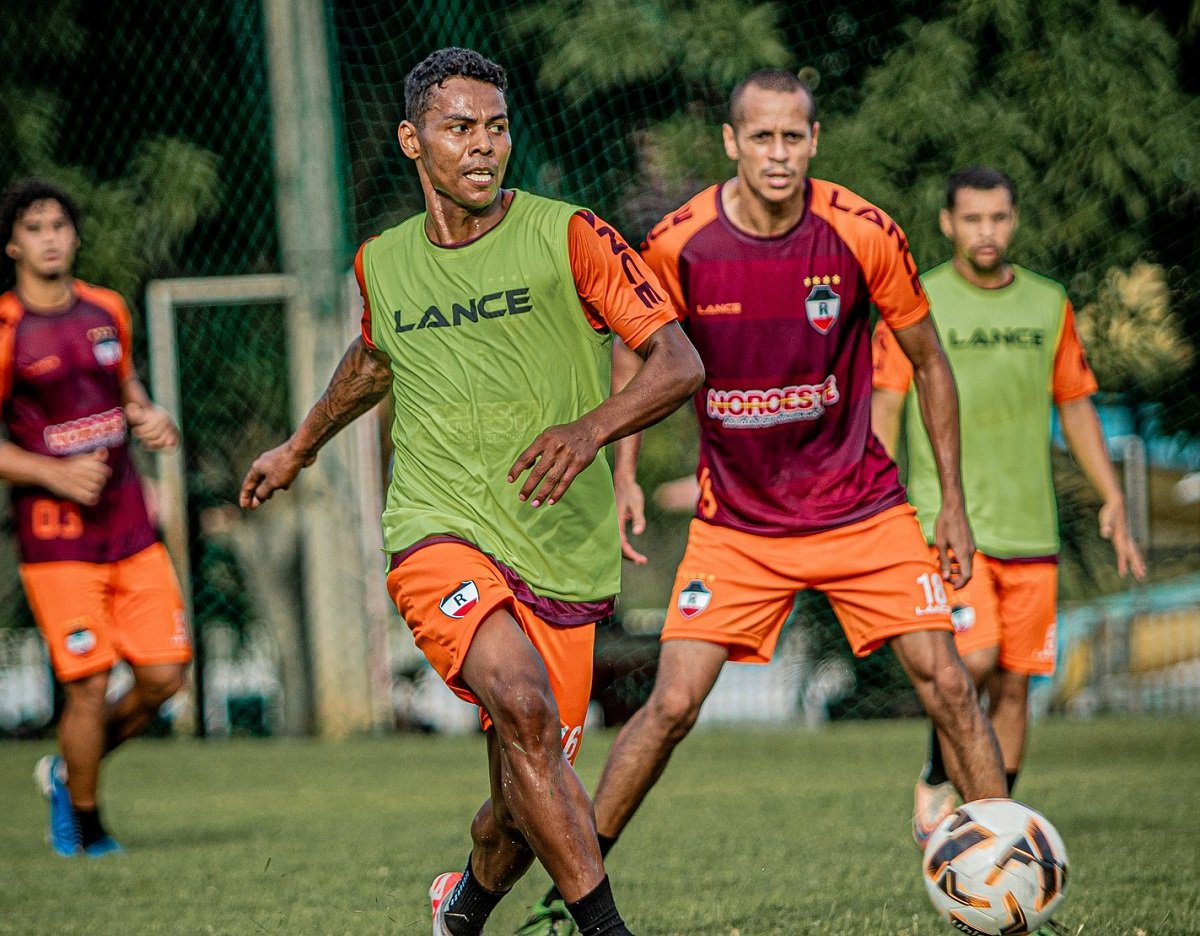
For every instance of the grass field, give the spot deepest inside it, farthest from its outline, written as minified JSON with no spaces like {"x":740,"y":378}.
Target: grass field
{"x":770,"y":831}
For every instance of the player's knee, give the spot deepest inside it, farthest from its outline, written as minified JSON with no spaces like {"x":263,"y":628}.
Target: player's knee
{"x":953,"y":692}
{"x":157,"y":687}
{"x":526,"y":716}
{"x":1010,"y":688}
{"x":674,"y":710}
{"x":88,"y":692}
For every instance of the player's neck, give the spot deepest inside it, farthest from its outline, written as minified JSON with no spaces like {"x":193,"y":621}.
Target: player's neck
{"x":996,"y":278}
{"x":757,"y":216}
{"x":448,"y":224}
{"x":45,"y":294}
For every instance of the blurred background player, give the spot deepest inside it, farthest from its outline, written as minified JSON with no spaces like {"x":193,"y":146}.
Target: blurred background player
{"x":99,"y":582}
{"x":1010,"y":338}
{"x":774,"y":275}
{"x":489,"y":316}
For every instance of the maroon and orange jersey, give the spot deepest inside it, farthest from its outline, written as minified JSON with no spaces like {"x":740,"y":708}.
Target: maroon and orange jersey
{"x":783,"y":327}
{"x":60,"y":395}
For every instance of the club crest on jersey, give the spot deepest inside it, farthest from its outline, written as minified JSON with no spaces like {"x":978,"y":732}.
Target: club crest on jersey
{"x":107,"y":352}
{"x":459,"y":602}
{"x":823,"y":304}
{"x":694,"y":599}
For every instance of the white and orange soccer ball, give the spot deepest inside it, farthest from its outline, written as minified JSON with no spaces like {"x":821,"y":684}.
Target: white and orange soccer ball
{"x":995,"y":867}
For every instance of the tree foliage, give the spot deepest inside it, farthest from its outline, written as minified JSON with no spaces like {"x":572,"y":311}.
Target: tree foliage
{"x":132,"y":223}
{"x":1079,"y":101}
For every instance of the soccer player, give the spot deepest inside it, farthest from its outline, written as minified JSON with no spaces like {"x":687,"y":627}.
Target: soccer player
{"x":1010,"y":338}
{"x":490,"y":317}
{"x":99,"y":582}
{"x":774,"y":274}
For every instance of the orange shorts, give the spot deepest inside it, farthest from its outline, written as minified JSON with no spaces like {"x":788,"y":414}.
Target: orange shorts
{"x":92,"y":614}
{"x":1011,"y":605}
{"x":444,"y":591}
{"x":736,"y":589}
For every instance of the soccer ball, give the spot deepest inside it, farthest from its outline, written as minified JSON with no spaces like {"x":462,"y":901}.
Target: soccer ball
{"x":995,"y":867}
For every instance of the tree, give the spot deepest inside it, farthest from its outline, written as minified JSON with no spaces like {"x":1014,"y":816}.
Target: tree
{"x":133,"y":223}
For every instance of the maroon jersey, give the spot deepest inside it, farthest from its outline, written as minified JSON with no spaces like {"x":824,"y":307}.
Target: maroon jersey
{"x":783,"y":326}
{"x":60,"y":391}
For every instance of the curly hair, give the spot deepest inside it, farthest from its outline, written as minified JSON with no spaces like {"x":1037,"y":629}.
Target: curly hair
{"x":451,"y":62}
{"x":19,"y":196}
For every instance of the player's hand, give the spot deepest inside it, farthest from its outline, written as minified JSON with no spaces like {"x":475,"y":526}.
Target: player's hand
{"x":631,"y":509}
{"x":152,"y":426}
{"x":80,"y":478}
{"x":553,"y":461}
{"x":272,"y":471}
{"x":1114,"y":527}
{"x":955,"y":545}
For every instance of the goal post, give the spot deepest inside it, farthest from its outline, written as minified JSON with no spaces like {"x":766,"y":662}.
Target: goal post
{"x":340,"y":645}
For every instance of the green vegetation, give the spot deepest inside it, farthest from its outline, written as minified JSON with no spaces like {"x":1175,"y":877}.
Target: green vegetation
{"x":769,"y":831}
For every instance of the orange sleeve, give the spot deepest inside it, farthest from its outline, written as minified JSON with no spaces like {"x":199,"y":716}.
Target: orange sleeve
{"x":10,"y":314}
{"x":881,"y":249}
{"x":1073,"y":378}
{"x":114,"y":305}
{"x":360,"y":278}
{"x":890,"y":367}
{"x":667,"y":239}
{"x":617,"y":290}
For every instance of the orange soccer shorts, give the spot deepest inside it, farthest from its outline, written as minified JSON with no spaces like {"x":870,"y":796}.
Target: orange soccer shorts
{"x":736,"y":589}
{"x":446,"y":590}
{"x":1010,"y":604}
{"x":91,"y":613}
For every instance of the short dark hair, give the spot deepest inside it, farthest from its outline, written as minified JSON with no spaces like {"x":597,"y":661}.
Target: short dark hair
{"x":451,"y":62}
{"x":770,"y":79}
{"x":983,"y":178}
{"x":15,"y":202}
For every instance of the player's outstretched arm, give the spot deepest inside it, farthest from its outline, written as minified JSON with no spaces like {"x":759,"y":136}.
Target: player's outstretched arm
{"x":938,"y":399}
{"x":79,"y":478}
{"x":361,"y":380}
{"x":670,"y":373}
{"x":1085,"y":438}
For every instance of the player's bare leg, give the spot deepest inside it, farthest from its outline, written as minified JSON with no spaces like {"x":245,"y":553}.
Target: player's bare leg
{"x":972,"y":755}
{"x":543,"y":797}
{"x":133,"y":712}
{"x":1008,"y":707}
{"x":81,"y":736}
{"x":687,"y":670}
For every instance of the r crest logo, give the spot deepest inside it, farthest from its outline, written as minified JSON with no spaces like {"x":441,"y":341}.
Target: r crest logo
{"x":458,"y":603}
{"x":962,"y":617}
{"x":81,"y":641}
{"x":823,"y":304}
{"x":694,"y":599}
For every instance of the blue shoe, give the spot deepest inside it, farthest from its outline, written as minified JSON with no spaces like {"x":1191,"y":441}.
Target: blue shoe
{"x":103,"y":846}
{"x":63,"y":830}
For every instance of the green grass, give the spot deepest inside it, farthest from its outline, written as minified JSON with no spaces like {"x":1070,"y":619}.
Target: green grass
{"x":768,"y":831}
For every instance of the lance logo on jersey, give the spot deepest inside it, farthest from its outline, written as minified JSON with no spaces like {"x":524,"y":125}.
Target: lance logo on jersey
{"x":458,"y":603}
{"x":823,"y":304}
{"x":694,"y":599}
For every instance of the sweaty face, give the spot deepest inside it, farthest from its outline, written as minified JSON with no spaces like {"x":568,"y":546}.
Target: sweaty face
{"x":463,"y":141}
{"x":44,"y":240}
{"x":772,"y":143}
{"x":981,"y":226}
